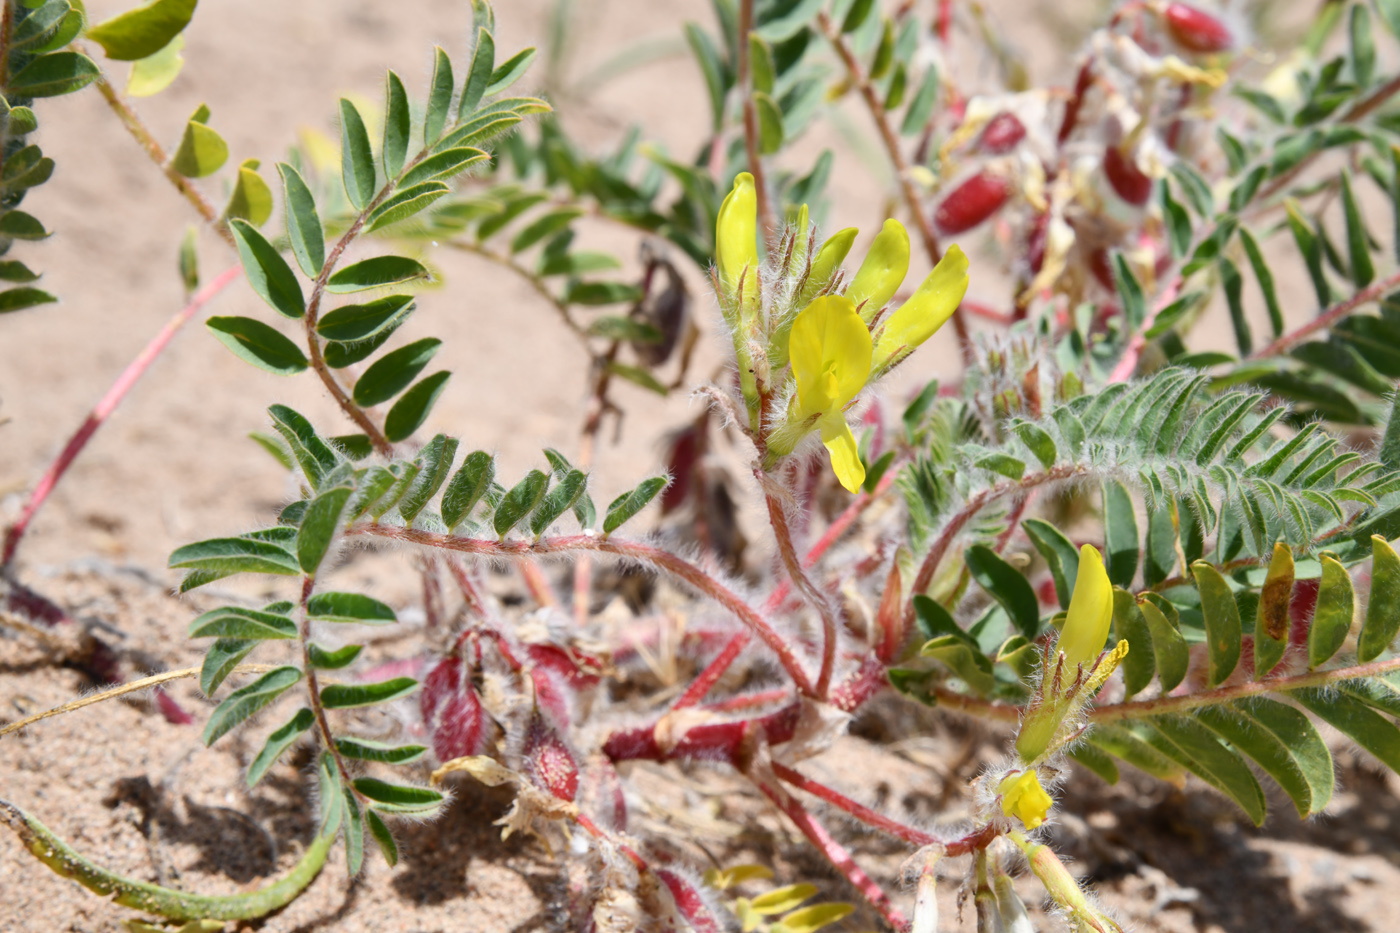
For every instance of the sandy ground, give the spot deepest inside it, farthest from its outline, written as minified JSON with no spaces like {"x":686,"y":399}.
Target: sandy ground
{"x":173,"y":464}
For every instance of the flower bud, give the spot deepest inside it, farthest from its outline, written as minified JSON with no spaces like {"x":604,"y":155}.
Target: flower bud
{"x":1023,"y":797}
{"x":1090,"y":612}
{"x":972,"y":202}
{"x":937,"y":297}
{"x":883,"y":270}
{"x":825,"y":264}
{"x":736,"y":244}
{"x":1128,"y":181}
{"x":1196,"y":29}
{"x":1001,"y":134}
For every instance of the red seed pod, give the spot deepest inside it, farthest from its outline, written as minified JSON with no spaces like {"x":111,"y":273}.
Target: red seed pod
{"x":1036,"y":238}
{"x":1196,"y":29}
{"x":690,"y":903}
{"x":457,"y":723}
{"x":578,"y":668}
{"x":686,"y":448}
{"x":1001,"y":134}
{"x":1129,"y":181}
{"x":553,"y":694}
{"x":972,"y":202}
{"x":548,"y":761}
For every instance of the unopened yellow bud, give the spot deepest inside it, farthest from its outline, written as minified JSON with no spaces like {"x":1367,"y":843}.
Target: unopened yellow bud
{"x":883,"y":270}
{"x":926,"y":310}
{"x":1023,"y":798}
{"x":736,"y":244}
{"x":1090,"y":612}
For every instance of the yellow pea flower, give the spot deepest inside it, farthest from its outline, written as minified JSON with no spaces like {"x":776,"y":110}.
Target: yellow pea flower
{"x":826,"y":262}
{"x":883,"y":271}
{"x":925,"y":312}
{"x":736,"y":244}
{"x":830,"y":350}
{"x":1090,"y":612}
{"x":1023,"y":797}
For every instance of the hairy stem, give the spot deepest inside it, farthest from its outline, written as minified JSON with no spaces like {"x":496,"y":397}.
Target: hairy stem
{"x":142,"y":134}
{"x":313,"y":687}
{"x":104,"y":407}
{"x":831,"y":625}
{"x":534,"y":281}
{"x":1370,"y":293}
{"x":654,"y":557}
{"x":912,"y":200}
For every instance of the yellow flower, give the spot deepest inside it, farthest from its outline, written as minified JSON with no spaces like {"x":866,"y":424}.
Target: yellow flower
{"x":830,"y":349}
{"x":1024,"y":798}
{"x":926,"y":310}
{"x":736,"y":244}
{"x":1090,"y":612}
{"x":883,"y":270}
{"x":826,"y":262}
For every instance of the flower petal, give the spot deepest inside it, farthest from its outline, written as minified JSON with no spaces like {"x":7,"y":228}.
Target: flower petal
{"x":826,"y":262}
{"x":926,"y":310}
{"x":1090,"y":611}
{"x":736,"y":237}
{"x":845,"y":455}
{"x":883,"y":270}
{"x":830,"y":349}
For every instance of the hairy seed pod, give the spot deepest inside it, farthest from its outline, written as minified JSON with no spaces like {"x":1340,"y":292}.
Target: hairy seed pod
{"x":548,"y":761}
{"x":972,"y":202}
{"x":690,"y":904}
{"x":1196,"y":29}
{"x":1129,"y":181}
{"x":457,"y":723}
{"x":1001,"y":134}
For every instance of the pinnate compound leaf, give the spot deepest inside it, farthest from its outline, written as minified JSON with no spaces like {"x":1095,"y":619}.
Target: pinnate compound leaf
{"x":1196,"y":749}
{"x":354,"y":323}
{"x":259,"y":344}
{"x":234,"y":555}
{"x":267,"y":272}
{"x":242,"y":703}
{"x":278,"y":742}
{"x":627,"y":505}
{"x":376,"y":272}
{"x":1333,"y":615}
{"x":1283,"y":742}
{"x":349,"y":607}
{"x":1222,"y":620}
{"x":1006,"y":585}
{"x":220,"y":660}
{"x":333,"y":660}
{"x":382,"y":838}
{"x":396,"y":798}
{"x":365,"y":750}
{"x":304,"y":229}
{"x":318,"y":527}
{"x":465,"y":490}
{"x":143,"y":31}
{"x":393,"y":372}
{"x":519,"y":502}
{"x":202,"y":151}
{"x":1383,"y":607}
{"x":237,"y":622}
{"x":53,"y":75}
{"x":410,"y":411}
{"x":353,"y":696}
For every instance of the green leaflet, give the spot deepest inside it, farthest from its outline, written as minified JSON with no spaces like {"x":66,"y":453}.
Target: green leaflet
{"x":1059,"y":553}
{"x":352,"y":696}
{"x":303,"y":222}
{"x":625,"y":506}
{"x":278,"y":742}
{"x":1383,"y":607}
{"x":349,"y":607}
{"x":234,"y":555}
{"x":174,"y":905}
{"x":395,"y":798}
{"x":1168,"y":646}
{"x":1368,"y":728}
{"x":1129,"y":624}
{"x":1120,"y":534}
{"x":472,"y":481}
{"x":237,"y":622}
{"x":365,"y":750}
{"x":1333,"y":615}
{"x":412,"y":409}
{"x":1006,"y":585}
{"x":1196,"y":749}
{"x":318,"y":526}
{"x":356,"y":157}
{"x":244,"y":702}
{"x":1283,"y":742}
{"x":143,"y":31}
{"x":267,"y":272}
{"x":257,"y":343}
{"x":1222,"y":618}
{"x":220,"y":659}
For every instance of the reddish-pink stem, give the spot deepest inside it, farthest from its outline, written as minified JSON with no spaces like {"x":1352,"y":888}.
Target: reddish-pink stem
{"x":1329,"y":317}
{"x":644,"y":553}
{"x":859,"y":811}
{"x":105,"y":406}
{"x":712,"y":672}
{"x":777,"y":517}
{"x":834,"y":852}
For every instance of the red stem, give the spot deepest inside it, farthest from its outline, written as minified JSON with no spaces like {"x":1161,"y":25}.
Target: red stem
{"x":644,"y":553}
{"x":105,"y":406}
{"x":860,"y":812}
{"x":713,"y":672}
{"x":777,"y":517}
{"x":835,"y":853}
